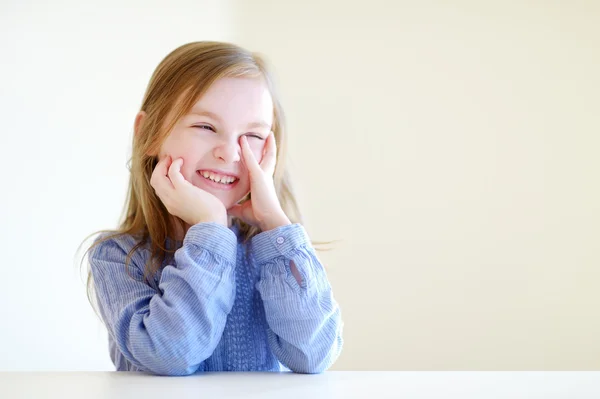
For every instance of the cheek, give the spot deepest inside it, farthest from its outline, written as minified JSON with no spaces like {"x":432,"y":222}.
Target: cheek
{"x":243,"y":189}
{"x":244,"y":183}
{"x":190,"y":162}
{"x":245,"y":177}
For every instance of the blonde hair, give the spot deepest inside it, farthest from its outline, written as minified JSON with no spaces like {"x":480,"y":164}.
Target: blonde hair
{"x":177,"y":83}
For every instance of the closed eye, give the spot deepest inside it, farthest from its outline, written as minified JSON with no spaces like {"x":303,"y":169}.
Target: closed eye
{"x":255,"y":135}
{"x":207,"y":127}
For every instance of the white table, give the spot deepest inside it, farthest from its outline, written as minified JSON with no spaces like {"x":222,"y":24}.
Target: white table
{"x":332,"y":384}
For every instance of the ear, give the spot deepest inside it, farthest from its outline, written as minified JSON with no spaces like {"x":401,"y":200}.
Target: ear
{"x":138,"y":121}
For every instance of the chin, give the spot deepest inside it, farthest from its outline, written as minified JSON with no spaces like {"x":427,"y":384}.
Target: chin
{"x":229,"y":201}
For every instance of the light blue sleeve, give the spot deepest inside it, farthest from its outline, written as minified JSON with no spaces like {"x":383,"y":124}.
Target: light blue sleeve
{"x":305,"y":325}
{"x":172,"y":330}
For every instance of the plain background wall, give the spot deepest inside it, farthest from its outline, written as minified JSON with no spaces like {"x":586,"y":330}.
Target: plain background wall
{"x":73,"y":77}
{"x":453,"y":146}
{"x":452,"y":149}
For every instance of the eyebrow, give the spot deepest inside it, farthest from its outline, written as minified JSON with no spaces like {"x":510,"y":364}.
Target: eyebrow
{"x":216,"y":117}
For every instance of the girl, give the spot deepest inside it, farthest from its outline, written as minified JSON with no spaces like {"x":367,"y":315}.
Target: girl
{"x":211,"y":268}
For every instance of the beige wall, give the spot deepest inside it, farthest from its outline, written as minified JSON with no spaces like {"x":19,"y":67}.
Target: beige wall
{"x":454,"y":150}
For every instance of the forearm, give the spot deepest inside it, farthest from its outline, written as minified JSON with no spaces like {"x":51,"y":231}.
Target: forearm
{"x":172,"y":330}
{"x":304,"y":319}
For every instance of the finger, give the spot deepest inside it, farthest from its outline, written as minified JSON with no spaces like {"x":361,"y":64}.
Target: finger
{"x":161,"y":183}
{"x":175,"y":173}
{"x":270,"y":155}
{"x":249,"y":159}
{"x":168,"y":162}
{"x":163,"y":166}
{"x":160,"y":169}
{"x":159,"y":179}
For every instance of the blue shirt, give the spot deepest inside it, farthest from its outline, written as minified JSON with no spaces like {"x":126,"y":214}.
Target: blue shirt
{"x":219,"y":304}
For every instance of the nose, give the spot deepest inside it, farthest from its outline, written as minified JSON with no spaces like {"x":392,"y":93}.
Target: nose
{"x":228,"y":151}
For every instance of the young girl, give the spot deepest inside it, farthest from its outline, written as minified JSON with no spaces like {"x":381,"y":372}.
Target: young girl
{"x":211,"y":268}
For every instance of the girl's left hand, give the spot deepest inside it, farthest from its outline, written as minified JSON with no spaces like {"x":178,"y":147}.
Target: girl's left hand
{"x":263,"y":209}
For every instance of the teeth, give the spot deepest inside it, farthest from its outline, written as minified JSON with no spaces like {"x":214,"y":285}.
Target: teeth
{"x":217,"y":178}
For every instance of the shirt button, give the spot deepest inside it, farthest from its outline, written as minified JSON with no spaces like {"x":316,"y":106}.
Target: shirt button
{"x":280,"y":240}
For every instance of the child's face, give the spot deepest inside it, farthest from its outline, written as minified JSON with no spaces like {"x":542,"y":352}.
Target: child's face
{"x":208,"y":138}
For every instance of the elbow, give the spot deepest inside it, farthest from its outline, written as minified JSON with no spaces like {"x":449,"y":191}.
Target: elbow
{"x":176,"y":363}
{"x":171,"y":360}
{"x":178,"y":350}
{"x":171,"y":363}
{"x":172,"y":370}
{"x":309,"y":370}
{"x":309,"y":367}
{"x":167,"y":364}
{"x":316,"y":363}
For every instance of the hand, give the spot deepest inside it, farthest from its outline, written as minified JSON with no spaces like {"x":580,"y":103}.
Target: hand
{"x":263,"y":209}
{"x":181,"y":198}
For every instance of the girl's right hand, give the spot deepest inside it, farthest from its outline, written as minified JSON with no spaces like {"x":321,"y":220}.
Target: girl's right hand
{"x":181,"y":198}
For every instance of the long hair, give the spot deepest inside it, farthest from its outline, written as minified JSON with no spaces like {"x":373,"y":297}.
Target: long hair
{"x":177,"y":83}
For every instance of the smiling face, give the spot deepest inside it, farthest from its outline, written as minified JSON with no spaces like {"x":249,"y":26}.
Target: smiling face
{"x":208,"y":137}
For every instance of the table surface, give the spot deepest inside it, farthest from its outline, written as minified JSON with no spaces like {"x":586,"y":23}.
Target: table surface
{"x":332,"y":384}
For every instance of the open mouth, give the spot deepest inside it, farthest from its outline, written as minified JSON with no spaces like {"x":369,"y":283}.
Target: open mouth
{"x":218,"y":179}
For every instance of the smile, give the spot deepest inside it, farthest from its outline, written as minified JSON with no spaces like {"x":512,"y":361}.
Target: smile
{"x":218,"y":180}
